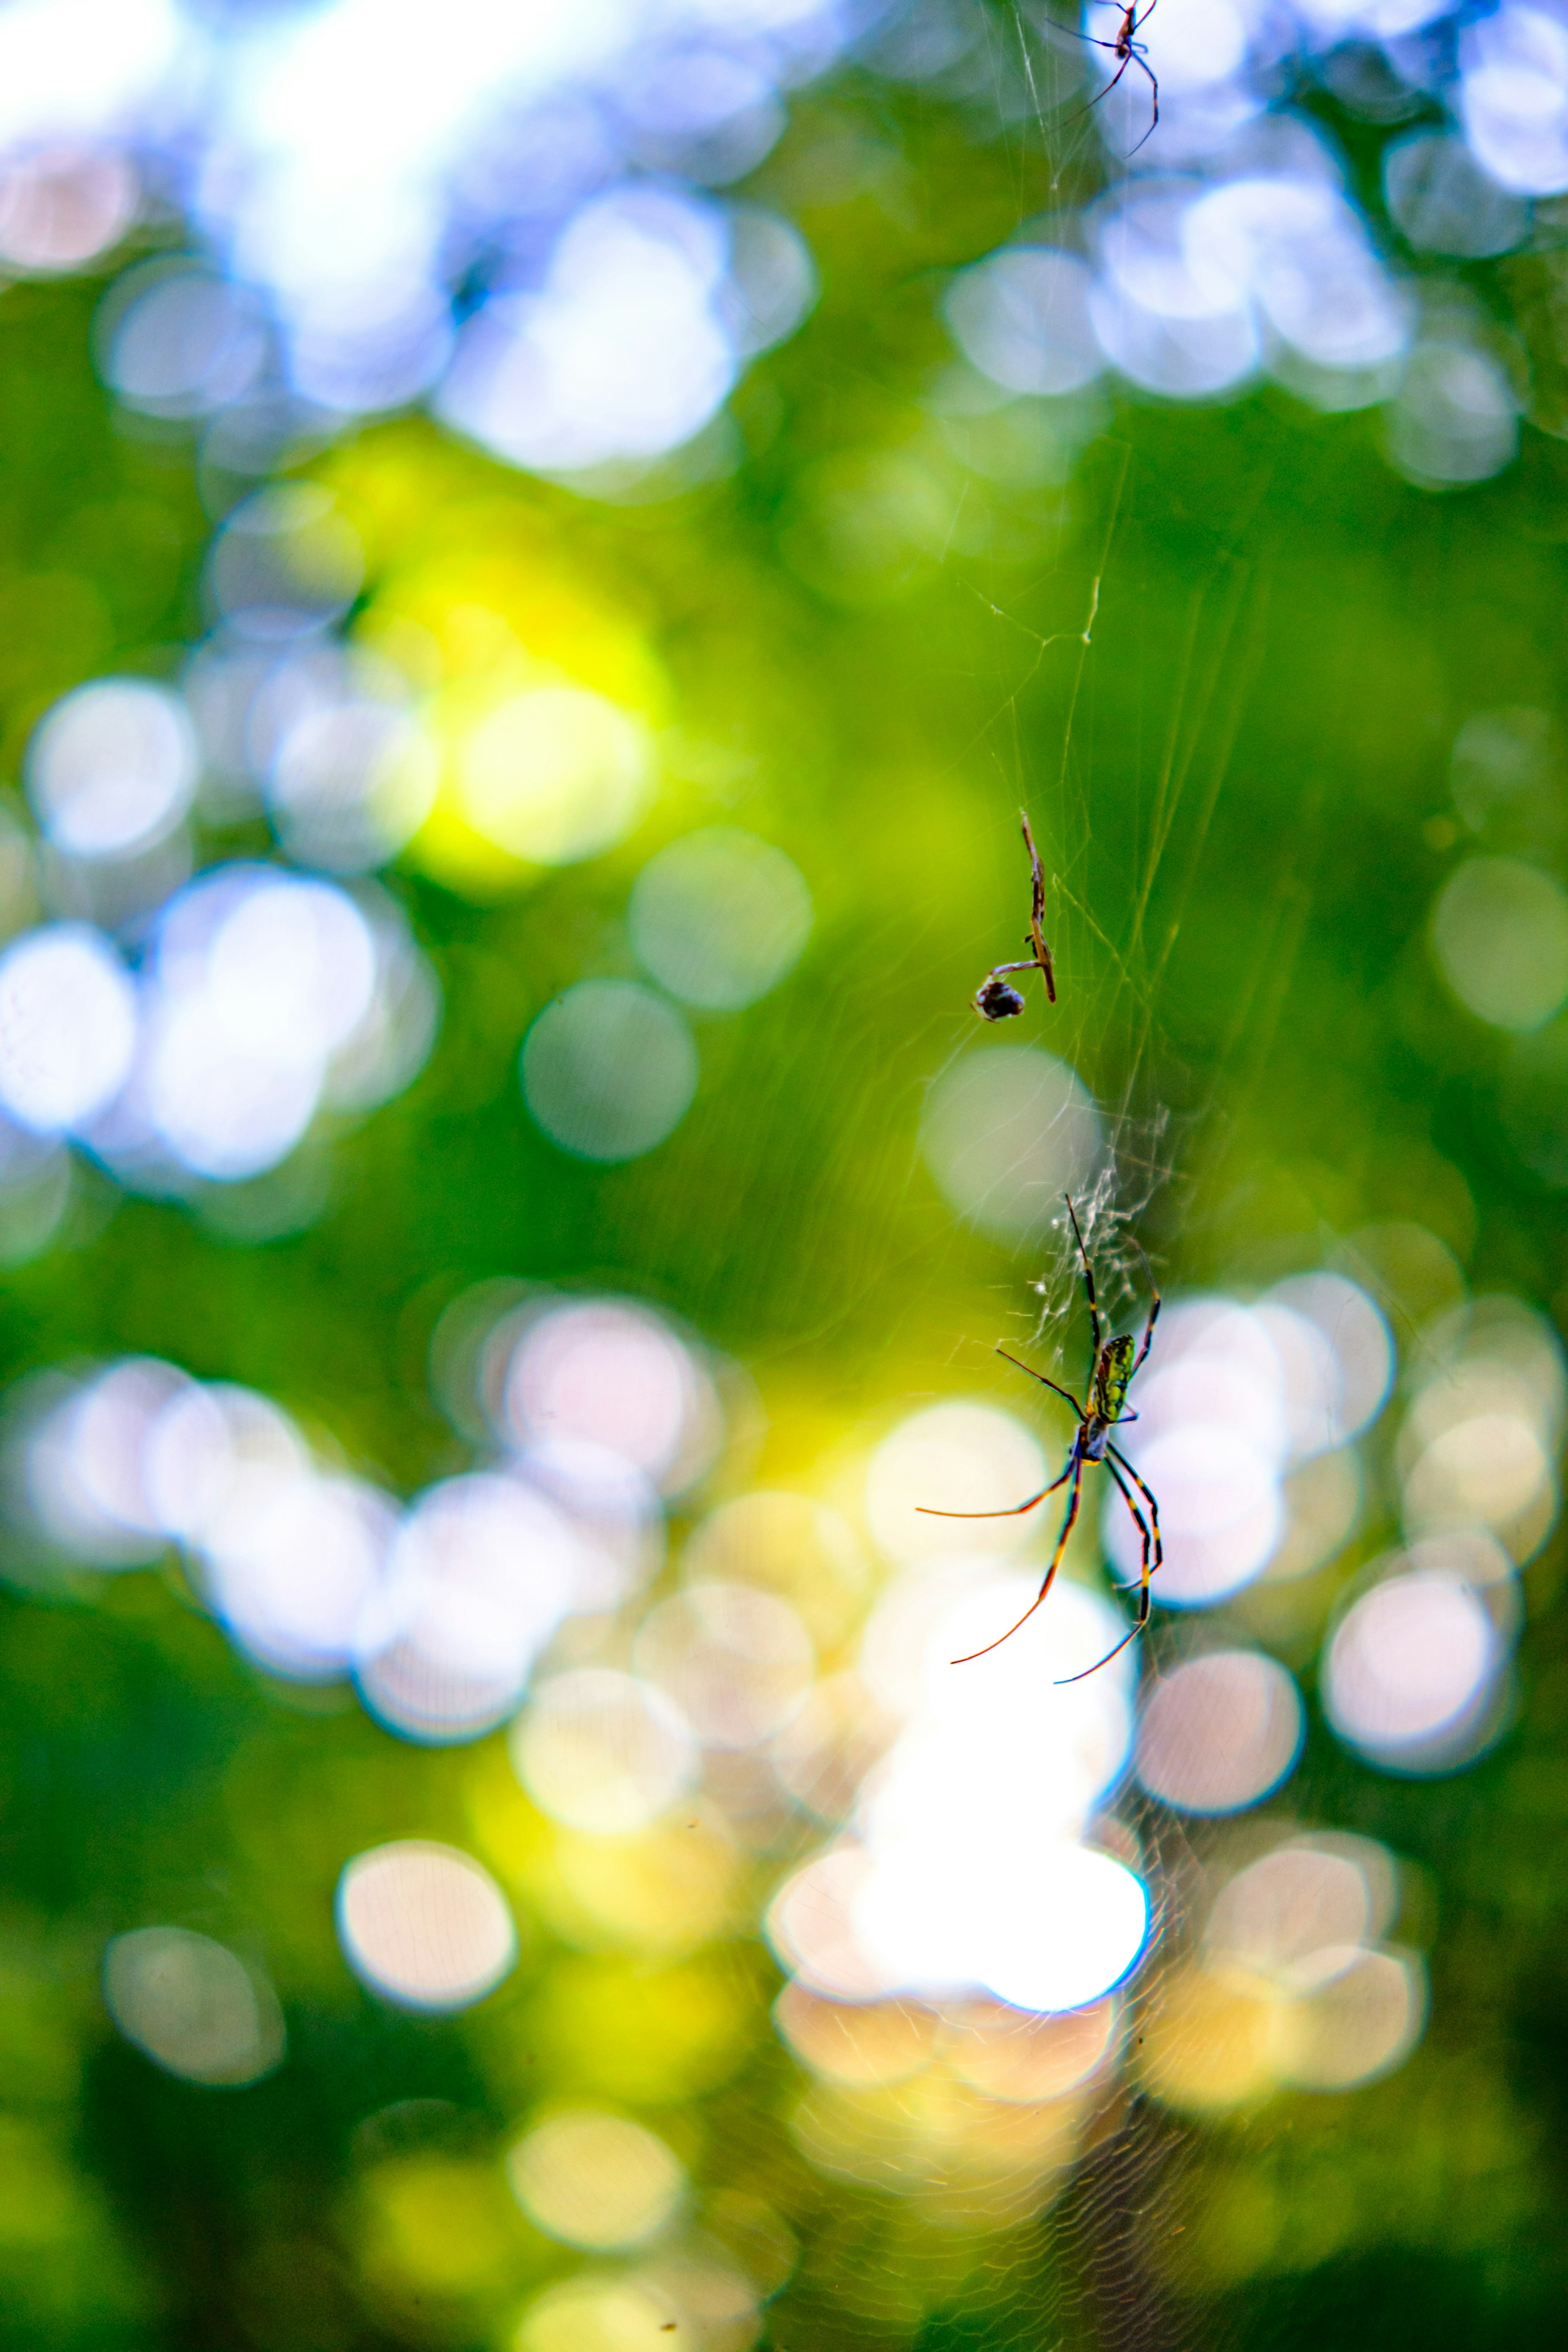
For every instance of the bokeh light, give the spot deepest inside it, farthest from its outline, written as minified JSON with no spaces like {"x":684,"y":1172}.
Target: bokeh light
{"x":1499,"y":929}
{"x":1410,"y":1668}
{"x":193,"y":2006}
{"x":1022,"y":319}
{"x":284,"y":563}
{"x":1220,"y":1732}
{"x":610,"y":1376}
{"x":1292,"y":1987}
{"x":112,"y":768}
{"x":555,"y":775}
{"x":1480,"y":1441}
{"x":423,"y":1926}
{"x":659,"y":1699}
{"x":604,"y":1751}
{"x":736,"y":1662}
{"x":1231,"y":1400}
{"x":719,"y":917}
{"x":265,"y":996}
{"x":1005,"y":1133}
{"x":482,"y":1573}
{"x":621,"y":354}
{"x":68,"y":1027}
{"x":595,"y":2180}
{"x":609,"y":1070}
{"x":953,"y":1457}
{"x":928,"y":1895}
{"x":62,"y":205}
{"x":175,"y":340}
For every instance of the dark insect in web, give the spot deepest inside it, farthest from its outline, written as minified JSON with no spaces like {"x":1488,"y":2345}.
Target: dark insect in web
{"x":1128,"y":51}
{"x":1112,"y":1367}
{"x":993,"y":999}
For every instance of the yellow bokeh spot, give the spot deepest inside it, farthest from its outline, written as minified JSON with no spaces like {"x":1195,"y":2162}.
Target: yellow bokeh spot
{"x":554,"y":774}
{"x":543,"y":697}
{"x":597,"y":2315}
{"x":652,"y":2035}
{"x":594,"y":2179}
{"x":437,"y":2225}
{"x":662,"y":1891}
{"x":1213,"y":2042}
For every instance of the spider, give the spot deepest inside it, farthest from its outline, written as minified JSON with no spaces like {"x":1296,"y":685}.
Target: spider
{"x":1127,"y":51}
{"x":1114,"y":1366}
{"x":993,"y":1000}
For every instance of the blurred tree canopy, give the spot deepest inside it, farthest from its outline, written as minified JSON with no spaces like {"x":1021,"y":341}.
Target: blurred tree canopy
{"x":1222,"y":653}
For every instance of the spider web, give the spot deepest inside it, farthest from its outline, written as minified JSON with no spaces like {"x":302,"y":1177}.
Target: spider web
{"x":1088,"y":666}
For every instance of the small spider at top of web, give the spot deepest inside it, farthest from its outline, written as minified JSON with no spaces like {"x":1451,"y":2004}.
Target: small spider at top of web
{"x":1128,"y":51}
{"x":993,"y":999}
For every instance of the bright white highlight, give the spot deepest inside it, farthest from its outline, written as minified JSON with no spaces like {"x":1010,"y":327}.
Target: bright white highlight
{"x":1229,"y":1398}
{"x":265,"y":995}
{"x":967,"y":1869}
{"x":1514,"y":97}
{"x":79,"y":66}
{"x":85,"y":1462}
{"x":68,"y":1027}
{"x":622,"y":354}
{"x":482,"y":1573}
{"x":112,"y":768}
{"x":1409,"y":1670}
{"x":292,"y":1584}
{"x":424,"y":1926}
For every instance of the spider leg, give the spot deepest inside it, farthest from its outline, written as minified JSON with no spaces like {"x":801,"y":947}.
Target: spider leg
{"x":1045,"y":1383}
{"x":1155,"y":1304}
{"x":1109,"y":85}
{"x":1083,"y":1254}
{"x":1143,"y":64}
{"x":1037,"y":909}
{"x":1121,"y":1462}
{"x":1076,"y":1468}
{"x":1143,"y":1602}
{"x":1018,"y":1509}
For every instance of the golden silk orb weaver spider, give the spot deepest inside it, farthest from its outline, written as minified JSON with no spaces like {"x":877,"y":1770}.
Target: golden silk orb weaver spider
{"x":1113,"y":1365}
{"x":993,"y":1000}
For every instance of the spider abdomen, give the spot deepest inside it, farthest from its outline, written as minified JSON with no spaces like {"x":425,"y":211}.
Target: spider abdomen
{"x":1111,"y":1376}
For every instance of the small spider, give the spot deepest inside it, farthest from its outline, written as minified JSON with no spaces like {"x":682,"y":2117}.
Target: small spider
{"x":993,"y":1000}
{"x":1112,"y":1368}
{"x":1129,"y":51}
